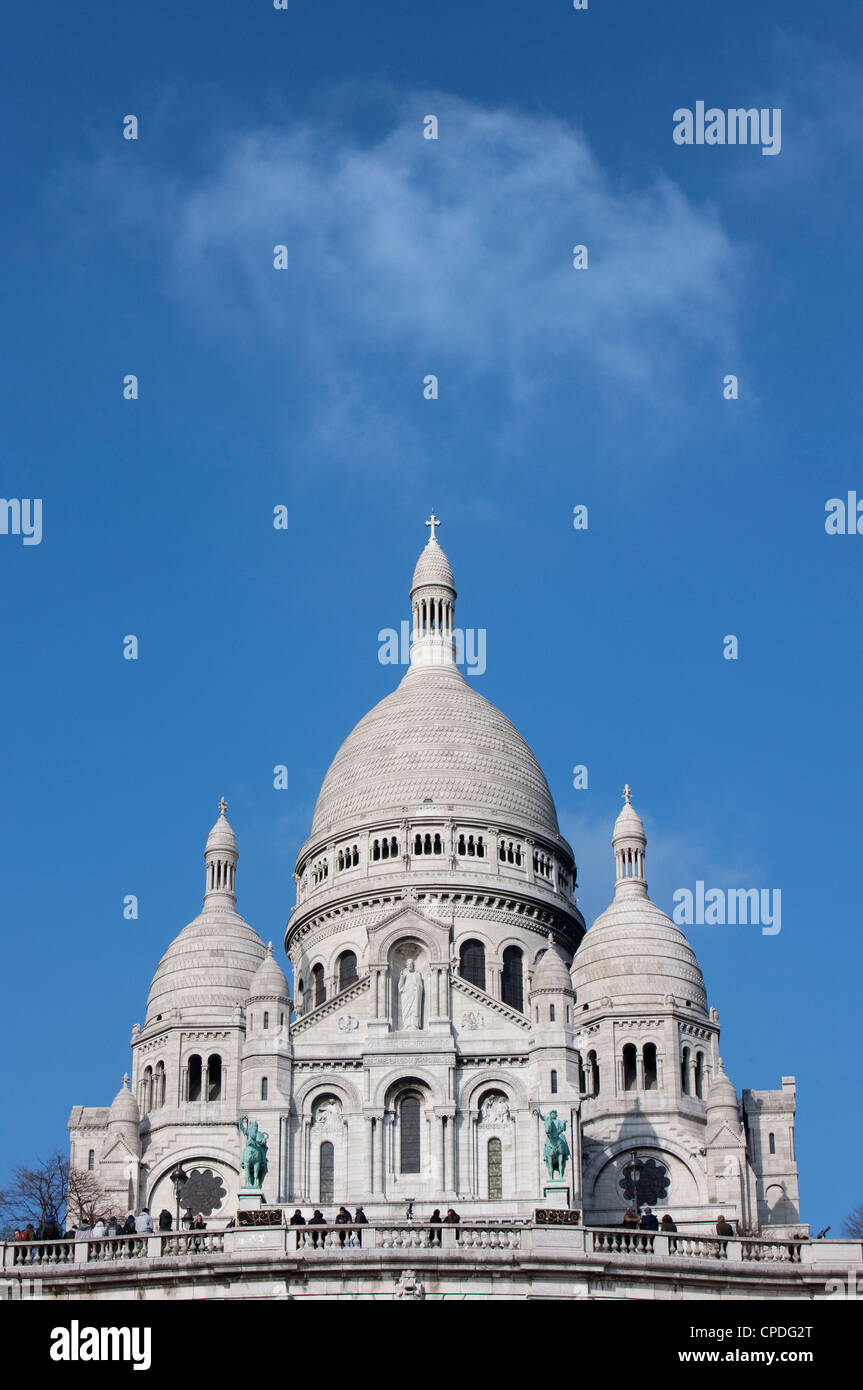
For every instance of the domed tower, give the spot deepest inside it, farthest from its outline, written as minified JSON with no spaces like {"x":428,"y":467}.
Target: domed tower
{"x":433,"y":874}
{"x":647,"y":1047}
{"x":266,"y":1056}
{"x":188,"y":1058}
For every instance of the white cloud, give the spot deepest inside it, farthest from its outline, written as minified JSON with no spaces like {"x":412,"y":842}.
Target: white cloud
{"x":450,"y":256}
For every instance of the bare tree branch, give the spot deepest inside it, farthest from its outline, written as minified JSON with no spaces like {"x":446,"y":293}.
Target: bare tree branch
{"x":854,"y":1223}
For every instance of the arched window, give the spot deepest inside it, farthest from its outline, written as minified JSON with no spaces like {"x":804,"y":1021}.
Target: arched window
{"x":265,"y":1088}
{"x":630,"y":1068}
{"x":582,"y":1079}
{"x":394,"y":847}
{"x":266,"y":1018}
{"x":376,"y":850}
{"x":159,"y":1086}
{"x":91,"y":1160}
{"x":593,"y":1069}
{"x":651,"y":1073}
{"x":328,"y":1171}
{"x":438,"y":845}
{"x":554,"y":1083}
{"x":301,"y":996}
{"x":512,"y":979}
{"x":147,"y":1090}
{"x":418,"y":844}
{"x":214,"y":1077}
{"x":409,"y":1126}
{"x":318,"y":986}
{"x":472,"y":963}
{"x":699,"y":1075}
{"x":551,"y":1013}
{"x":684,"y":1071}
{"x":193,"y":1090}
{"x":495,"y":1169}
{"x":771,"y":1143}
{"x":347,"y":969}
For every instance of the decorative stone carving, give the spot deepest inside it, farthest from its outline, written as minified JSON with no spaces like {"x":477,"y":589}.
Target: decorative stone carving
{"x":411,"y":991}
{"x":203,"y":1193}
{"x":474,"y":1019}
{"x":348,"y":1024}
{"x":495,"y":1111}
{"x":408,"y":1286}
{"x":328,"y":1115}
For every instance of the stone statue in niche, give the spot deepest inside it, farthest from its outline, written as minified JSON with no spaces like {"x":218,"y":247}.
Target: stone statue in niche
{"x":411,"y":995}
{"x":329,"y":1114}
{"x":495,"y":1110}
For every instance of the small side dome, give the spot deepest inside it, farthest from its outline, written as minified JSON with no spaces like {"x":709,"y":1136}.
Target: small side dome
{"x":269,"y":981}
{"x":722,"y":1095}
{"x":552,"y":973}
{"x":124,"y":1107}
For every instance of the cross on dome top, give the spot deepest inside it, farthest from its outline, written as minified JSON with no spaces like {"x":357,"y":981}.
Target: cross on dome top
{"x":223,"y":806}
{"x":432,"y":522}
{"x":627,"y":794}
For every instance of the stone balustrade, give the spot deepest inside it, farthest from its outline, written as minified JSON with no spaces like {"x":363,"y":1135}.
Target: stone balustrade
{"x":448,"y":1241}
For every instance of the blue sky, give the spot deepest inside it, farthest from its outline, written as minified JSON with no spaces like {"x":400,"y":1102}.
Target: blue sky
{"x":304,"y":388}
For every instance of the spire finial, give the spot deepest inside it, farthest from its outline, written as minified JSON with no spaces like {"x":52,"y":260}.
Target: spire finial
{"x":125,"y":1080}
{"x":223,"y":806}
{"x":432,"y":523}
{"x":627,"y":794}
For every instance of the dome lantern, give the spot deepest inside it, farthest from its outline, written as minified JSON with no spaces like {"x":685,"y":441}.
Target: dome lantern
{"x":433,"y":597}
{"x":629,"y":842}
{"x":220,"y":856}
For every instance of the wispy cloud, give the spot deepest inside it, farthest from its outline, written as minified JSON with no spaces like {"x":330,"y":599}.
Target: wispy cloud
{"x":451,"y":256}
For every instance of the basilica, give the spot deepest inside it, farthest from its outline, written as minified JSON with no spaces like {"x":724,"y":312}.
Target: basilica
{"x":450,"y":1009}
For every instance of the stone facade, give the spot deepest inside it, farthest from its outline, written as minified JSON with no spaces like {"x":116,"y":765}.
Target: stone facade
{"x":446,"y":999}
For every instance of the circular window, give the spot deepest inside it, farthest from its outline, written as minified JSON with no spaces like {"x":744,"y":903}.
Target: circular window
{"x":204,"y":1193}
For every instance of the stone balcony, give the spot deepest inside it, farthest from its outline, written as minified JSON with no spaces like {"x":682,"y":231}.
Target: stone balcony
{"x":475,"y":1260}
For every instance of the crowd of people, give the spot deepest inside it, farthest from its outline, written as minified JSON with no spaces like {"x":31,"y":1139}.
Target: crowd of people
{"x":647,"y":1220}
{"x":105,"y":1227}
{"x":634,"y":1219}
{"x":353,"y":1236}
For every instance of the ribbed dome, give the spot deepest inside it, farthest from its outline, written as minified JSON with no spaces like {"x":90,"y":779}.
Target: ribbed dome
{"x":124,"y":1107}
{"x":269,"y":981}
{"x":722,"y":1095}
{"x":432,"y":567}
{"x":552,"y":972}
{"x":635,"y":953}
{"x":437,"y":738}
{"x":208,"y":969}
{"x":628,"y":825}
{"x":221,"y":836}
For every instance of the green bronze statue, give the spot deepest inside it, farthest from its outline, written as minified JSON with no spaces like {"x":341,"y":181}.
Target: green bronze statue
{"x":556,"y":1150}
{"x":253,"y":1159}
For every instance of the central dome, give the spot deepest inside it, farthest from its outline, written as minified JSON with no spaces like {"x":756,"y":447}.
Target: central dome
{"x":434,"y":739}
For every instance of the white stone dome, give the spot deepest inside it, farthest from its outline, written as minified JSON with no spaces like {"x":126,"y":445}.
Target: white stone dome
{"x":269,"y":981}
{"x":635,"y":953}
{"x":433,"y":567}
{"x":552,"y":972}
{"x":124,"y":1107}
{"x":434,"y":738}
{"x":208,"y":969}
{"x":722,"y":1095}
